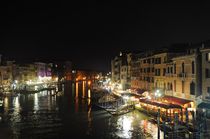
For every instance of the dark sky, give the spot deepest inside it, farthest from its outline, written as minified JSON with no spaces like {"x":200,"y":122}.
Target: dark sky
{"x":91,"y":33}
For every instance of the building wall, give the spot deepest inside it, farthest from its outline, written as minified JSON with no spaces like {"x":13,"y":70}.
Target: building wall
{"x":147,"y":73}
{"x":123,"y":76}
{"x":205,"y":73}
{"x":159,"y":76}
{"x":184,"y":77}
{"x":135,"y":73}
{"x":26,"y":73}
{"x":6,"y":75}
{"x":116,"y":66}
{"x":41,"y":69}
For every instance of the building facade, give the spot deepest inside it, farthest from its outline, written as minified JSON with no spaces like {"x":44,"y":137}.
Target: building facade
{"x":205,"y":56}
{"x":135,"y":71}
{"x":116,"y":68}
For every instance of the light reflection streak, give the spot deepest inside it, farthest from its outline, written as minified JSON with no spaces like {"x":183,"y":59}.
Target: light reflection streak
{"x":83,"y":88}
{"x":36,"y":101}
{"x":6,"y":104}
{"x":89,"y":94}
{"x":126,"y":125}
{"x":150,"y":129}
{"x":129,"y":123}
{"x":17,"y":104}
{"x":76,"y":90}
{"x":16,"y":113}
{"x":76,"y":98}
{"x":89,"y":118}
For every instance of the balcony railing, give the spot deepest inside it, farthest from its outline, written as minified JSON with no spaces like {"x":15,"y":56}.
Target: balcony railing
{"x":169,"y":74}
{"x":182,"y":75}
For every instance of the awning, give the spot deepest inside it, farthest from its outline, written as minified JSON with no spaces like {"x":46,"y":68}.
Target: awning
{"x":159,"y":104}
{"x":176,"y":100}
{"x":131,"y":94}
{"x":204,"y":105}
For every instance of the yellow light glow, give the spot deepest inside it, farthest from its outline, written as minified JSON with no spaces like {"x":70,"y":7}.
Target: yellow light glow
{"x":56,"y":79}
{"x":126,"y":123}
{"x":6,"y":104}
{"x":36,"y":102}
{"x":83,"y":89}
{"x":89,"y":94}
{"x":77,"y":90}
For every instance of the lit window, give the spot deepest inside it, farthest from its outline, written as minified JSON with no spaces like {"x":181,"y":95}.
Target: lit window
{"x":208,"y":56}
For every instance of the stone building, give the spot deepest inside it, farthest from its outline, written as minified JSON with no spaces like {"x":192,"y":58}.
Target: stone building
{"x":116,"y":68}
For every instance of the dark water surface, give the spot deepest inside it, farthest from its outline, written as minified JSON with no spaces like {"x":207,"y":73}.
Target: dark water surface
{"x":42,"y":115}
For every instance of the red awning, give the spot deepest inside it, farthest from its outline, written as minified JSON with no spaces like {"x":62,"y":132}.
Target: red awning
{"x":160,"y":104}
{"x":175,"y":100}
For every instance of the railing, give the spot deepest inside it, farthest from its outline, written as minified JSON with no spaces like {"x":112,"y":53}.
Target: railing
{"x":169,"y":74}
{"x":183,"y":75}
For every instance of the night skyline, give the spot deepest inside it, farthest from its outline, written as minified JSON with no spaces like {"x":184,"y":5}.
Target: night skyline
{"x":90,"y":34}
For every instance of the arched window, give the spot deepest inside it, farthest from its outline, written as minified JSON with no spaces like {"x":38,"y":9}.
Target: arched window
{"x":174,"y":68}
{"x":193,"y":67}
{"x":183,"y":67}
{"x":192,"y":88}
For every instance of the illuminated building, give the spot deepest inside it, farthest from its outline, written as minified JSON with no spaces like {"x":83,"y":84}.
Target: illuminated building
{"x":121,"y":70}
{"x":116,"y":68}
{"x":6,"y":74}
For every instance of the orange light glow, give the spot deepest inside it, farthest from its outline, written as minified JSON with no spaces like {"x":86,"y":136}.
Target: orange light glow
{"x":89,"y":82}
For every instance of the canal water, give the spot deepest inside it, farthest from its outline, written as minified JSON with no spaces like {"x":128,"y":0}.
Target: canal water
{"x":46,"y":116}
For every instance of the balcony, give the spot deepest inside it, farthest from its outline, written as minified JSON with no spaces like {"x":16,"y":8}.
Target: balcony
{"x":169,"y":74}
{"x":182,"y":75}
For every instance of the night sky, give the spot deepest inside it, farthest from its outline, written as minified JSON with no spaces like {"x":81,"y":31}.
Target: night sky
{"x":91,"y":33}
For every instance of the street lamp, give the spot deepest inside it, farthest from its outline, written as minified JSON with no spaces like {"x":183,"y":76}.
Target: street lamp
{"x":157,"y":93}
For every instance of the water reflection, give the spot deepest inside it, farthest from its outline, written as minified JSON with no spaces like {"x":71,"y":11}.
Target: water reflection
{"x":133,"y":125}
{"x":16,"y":104}
{"x":150,"y":129}
{"x":6,"y":103}
{"x":43,"y":115}
{"x":83,"y":88}
{"x":36,"y":101}
{"x":73,"y":90}
{"x":125,"y":122}
{"x":89,"y":93}
{"x":76,"y":96}
{"x":89,"y":117}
